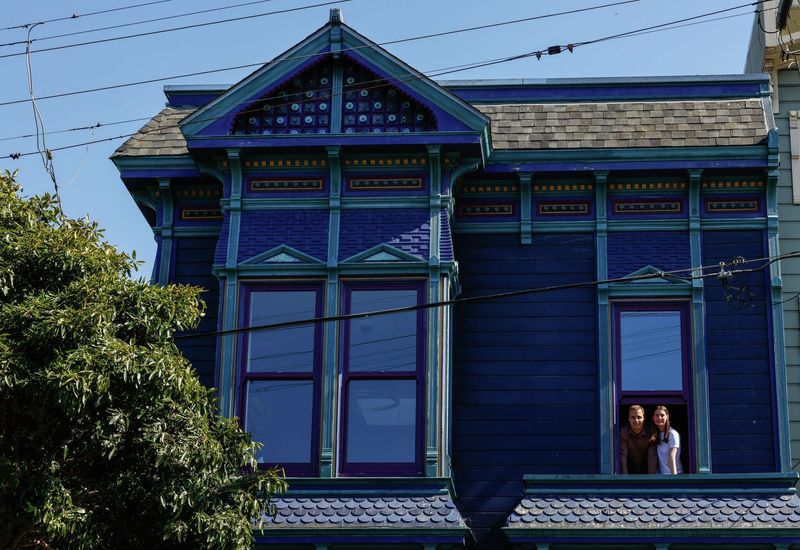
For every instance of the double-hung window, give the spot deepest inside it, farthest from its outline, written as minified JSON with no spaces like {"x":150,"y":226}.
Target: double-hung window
{"x":280,"y":374}
{"x":383,"y":358}
{"x":653,"y":360}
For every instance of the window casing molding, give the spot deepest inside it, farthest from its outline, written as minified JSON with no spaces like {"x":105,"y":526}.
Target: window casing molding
{"x":377,"y":376}
{"x":282,"y":375}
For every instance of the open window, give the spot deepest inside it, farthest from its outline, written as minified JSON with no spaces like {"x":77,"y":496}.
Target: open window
{"x":653,"y":365}
{"x":383,"y":380}
{"x":280,"y":370}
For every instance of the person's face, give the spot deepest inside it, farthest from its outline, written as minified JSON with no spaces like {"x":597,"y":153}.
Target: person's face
{"x":636,"y":420}
{"x":660,"y":419}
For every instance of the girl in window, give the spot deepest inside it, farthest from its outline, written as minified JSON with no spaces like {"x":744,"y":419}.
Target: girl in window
{"x":668,"y":443}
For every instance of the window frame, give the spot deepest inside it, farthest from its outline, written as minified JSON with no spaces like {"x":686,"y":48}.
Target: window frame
{"x":409,"y":469}
{"x":649,"y":398}
{"x":300,"y":469}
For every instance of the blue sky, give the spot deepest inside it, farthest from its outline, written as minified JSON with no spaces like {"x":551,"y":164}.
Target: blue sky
{"x":90,"y":184}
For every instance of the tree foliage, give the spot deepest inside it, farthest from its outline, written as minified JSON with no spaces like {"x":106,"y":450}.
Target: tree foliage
{"x":107,"y":437}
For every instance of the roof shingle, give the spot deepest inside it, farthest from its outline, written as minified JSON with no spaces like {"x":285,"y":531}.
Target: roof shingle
{"x":161,"y":136}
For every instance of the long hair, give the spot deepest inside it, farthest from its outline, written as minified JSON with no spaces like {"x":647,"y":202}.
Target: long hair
{"x":655,"y":437}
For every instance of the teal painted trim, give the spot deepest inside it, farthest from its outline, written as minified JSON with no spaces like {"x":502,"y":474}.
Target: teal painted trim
{"x":768,"y":482}
{"x":758,"y":152}
{"x":272,"y":270}
{"x":387,"y":249}
{"x":605,"y":380}
{"x":195,"y":231}
{"x":227,"y":368}
{"x":385,"y":202}
{"x":564,"y":227}
{"x":177,"y":162}
{"x":281,"y":204}
{"x":337,"y":81}
{"x":421,"y":268}
{"x":366,"y":534}
{"x":268,"y":75}
{"x":424,"y":87}
{"x":648,"y":290}
{"x":466,"y":166}
{"x":331,"y":355}
{"x":497,"y":227}
{"x":702,"y":412}
{"x":784,"y":457}
{"x":526,"y":202}
{"x":397,"y":139}
{"x":432,"y":370}
{"x":749,"y":223}
{"x":226,"y":371}
{"x":300,"y":257}
{"x":648,"y":225}
{"x":340,"y":486}
{"x":167,"y":217}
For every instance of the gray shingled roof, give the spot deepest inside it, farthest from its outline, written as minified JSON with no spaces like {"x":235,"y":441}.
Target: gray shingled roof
{"x":363,"y":512}
{"x":160,"y":136}
{"x":655,"y":512}
{"x":626,"y":124}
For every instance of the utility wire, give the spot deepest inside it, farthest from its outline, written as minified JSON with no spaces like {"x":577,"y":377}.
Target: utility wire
{"x":142,"y":119}
{"x":89,"y":14}
{"x":723,"y":271}
{"x":134,"y":23}
{"x":413,"y":76}
{"x":185,"y":27}
{"x":309,"y":56}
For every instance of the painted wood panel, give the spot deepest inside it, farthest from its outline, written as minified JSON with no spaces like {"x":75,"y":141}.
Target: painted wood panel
{"x":193,"y":259}
{"x":740,"y":392}
{"x":525,"y":384}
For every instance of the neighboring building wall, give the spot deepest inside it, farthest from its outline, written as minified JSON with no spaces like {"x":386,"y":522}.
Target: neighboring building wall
{"x":789,"y":214}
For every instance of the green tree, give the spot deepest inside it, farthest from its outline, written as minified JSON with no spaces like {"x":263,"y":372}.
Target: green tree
{"x":107,"y":437}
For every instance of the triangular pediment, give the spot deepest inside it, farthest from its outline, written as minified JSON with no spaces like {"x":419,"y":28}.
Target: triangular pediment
{"x":282,"y":255}
{"x":333,"y":82}
{"x":383,"y":253}
{"x":649,"y":275}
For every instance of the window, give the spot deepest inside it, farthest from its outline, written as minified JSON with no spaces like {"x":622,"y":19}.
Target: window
{"x":279,"y":383}
{"x":652,"y":356}
{"x":383,"y":360}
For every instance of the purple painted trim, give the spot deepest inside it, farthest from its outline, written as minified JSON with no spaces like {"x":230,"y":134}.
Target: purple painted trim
{"x":310,"y":469}
{"x":616,"y":202}
{"x":191,"y":100}
{"x":540,"y":92}
{"x":159,"y":173}
{"x":760,"y":209}
{"x":650,"y":539}
{"x":395,"y":468}
{"x":318,"y":140}
{"x":510,"y":168}
{"x":465,"y":210}
{"x":180,"y":221}
{"x":682,"y":398}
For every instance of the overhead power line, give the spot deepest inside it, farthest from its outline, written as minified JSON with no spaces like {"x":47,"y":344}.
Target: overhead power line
{"x":722,"y":270}
{"x":98,"y":125}
{"x":88,"y":14}
{"x":183,"y":28}
{"x":553,"y":50}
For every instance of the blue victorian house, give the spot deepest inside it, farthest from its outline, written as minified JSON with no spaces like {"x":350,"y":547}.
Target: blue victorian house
{"x":550,"y":253}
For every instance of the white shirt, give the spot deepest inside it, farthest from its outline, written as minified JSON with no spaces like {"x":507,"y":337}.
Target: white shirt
{"x":664,"y":449}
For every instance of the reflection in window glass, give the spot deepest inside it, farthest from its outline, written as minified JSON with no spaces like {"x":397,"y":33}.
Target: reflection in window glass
{"x":281,"y":350}
{"x":381,"y":421}
{"x":278,"y":414}
{"x":386,"y":343}
{"x":651,"y":350}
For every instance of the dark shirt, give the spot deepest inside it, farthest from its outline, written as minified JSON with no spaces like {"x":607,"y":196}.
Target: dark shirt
{"x":637,"y":455}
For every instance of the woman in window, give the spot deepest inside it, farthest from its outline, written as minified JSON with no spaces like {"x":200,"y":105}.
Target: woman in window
{"x":668,"y":443}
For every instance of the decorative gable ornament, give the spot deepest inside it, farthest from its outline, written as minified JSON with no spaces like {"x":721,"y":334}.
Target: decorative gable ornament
{"x":383,"y":253}
{"x":282,"y":254}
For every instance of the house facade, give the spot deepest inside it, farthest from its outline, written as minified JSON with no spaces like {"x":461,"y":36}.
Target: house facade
{"x":434,"y":302}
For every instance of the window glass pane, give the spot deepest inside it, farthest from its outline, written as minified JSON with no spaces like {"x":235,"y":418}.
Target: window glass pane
{"x":281,"y":350}
{"x":651,"y":350}
{"x":381,"y":421}
{"x":386,"y":343}
{"x":278,"y":414}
